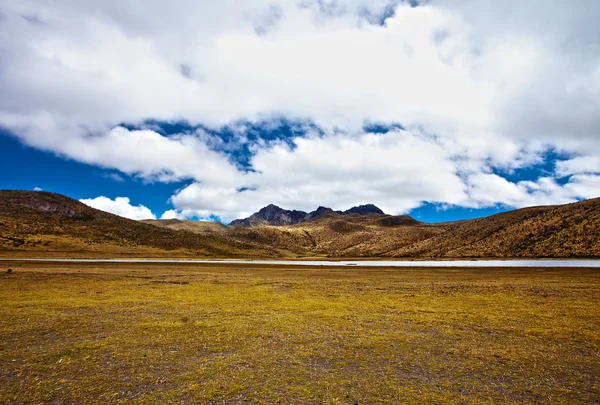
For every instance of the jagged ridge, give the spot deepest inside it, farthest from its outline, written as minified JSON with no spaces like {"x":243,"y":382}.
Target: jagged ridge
{"x":277,"y":216}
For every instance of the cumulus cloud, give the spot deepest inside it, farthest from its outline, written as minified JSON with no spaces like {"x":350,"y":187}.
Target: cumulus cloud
{"x":578,"y":165}
{"x":398,"y":170}
{"x":120,"y":206}
{"x":199,"y":215}
{"x":478,"y":85}
{"x":491,"y":189}
{"x":172,"y":214}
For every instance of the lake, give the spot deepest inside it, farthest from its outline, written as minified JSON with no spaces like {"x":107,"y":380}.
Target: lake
{"x":351,"y":263}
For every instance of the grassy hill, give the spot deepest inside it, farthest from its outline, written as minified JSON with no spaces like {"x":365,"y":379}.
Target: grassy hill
{"x":571,"y":230}
{"x":562,"y":231}
{"x":55,"y":224}
{"x":344,"y":236}
{"x":39,"y":223}
{"x":201,"y":227}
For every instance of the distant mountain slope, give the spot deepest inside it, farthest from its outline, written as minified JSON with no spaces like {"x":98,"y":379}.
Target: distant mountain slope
{"x":571,"y":230}
{"x":351,"y":235}
{"x":202,"y":227}
{"x":271,"y":215}
{"x":40,"y":221}
{"x":562,"y":231}
{"x":276,"y":216}
{"x":50,"y":224}
{"x":364,"y":210}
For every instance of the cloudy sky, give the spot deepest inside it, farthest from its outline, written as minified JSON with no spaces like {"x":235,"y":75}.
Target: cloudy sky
{"x":202,"y":109}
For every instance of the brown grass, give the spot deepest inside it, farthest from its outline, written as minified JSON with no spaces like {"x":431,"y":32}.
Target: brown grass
{"x":146,"y":334}
{"x":42,"y":224}
{"x":45,"y":223}
{"x":564,"y":231}
{"x":199,"y":227}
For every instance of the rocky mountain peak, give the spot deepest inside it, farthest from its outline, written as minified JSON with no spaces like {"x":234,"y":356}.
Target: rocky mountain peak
{"x":365,"y":210}
{"x":275,"y":215}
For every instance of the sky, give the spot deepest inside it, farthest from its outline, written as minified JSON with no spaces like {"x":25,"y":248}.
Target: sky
{"x":441,"y":109}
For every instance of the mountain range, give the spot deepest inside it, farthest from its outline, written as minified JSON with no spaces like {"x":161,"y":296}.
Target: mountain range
{"x":45,"y":224}
{"x":276,"y":216}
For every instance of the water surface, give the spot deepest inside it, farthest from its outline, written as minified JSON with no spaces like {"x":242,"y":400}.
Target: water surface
{"x":352,"y":263}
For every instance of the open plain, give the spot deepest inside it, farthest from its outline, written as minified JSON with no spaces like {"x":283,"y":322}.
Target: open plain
{"x":138,"y":333}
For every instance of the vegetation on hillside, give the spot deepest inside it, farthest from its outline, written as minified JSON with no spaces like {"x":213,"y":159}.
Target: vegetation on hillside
{"x":202,"y":227}
{"x":50,"y":223}
{"x":571,"y":230}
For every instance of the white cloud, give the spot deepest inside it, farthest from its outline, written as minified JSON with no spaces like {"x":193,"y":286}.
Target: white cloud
{"x":144,"y":153}
{"x":490,"y":189}
{"x":495,"y":85}
{"x":172,"y":214}
{"x":200,"y":215}
{"x":580,"y":164}
{"x":397,"y":170}
{"x":115,"y":177}
{"x":120,"y":206}
{"x":37,"y":189}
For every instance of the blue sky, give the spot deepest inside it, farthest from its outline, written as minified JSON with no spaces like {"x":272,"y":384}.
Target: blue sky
{"x":26,"y":168}
{"x":443,"y":109}
{"x":50,"y":172}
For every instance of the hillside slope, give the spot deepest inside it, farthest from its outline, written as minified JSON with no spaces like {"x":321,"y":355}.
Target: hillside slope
{"x":562,"y":231}
{"x":47,"y":222}
{"x":201,"y":227}
{"x":571,"y":230}
{"x":351,"y":235}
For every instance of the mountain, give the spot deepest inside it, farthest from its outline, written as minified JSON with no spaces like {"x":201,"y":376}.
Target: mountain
{"x":276,"y":216}
{"x":571,"y":230}
{"x":336,"y":235}
{"x":364,"y":210}
{"x":319,"y":212}
{"x":53,"y":224}
{"x":46,"y":224}
{"x":271,"y":215}
{"x":201,"y":227}
{"x":561,"y":231}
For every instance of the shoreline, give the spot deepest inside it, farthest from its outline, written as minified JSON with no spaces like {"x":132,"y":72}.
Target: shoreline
{"x":482,"y":263}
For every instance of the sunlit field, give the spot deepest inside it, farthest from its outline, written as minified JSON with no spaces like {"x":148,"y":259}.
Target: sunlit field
{"x":173,"y":333}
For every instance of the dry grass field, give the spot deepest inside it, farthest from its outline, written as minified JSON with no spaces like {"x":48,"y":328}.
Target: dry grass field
{"x":235,"y":334}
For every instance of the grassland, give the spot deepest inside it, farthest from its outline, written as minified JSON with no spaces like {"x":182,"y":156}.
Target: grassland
{"x":147,"y":334}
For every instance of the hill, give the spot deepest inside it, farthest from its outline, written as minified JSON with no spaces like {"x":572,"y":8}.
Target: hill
{"x":562,"y":231}
{"x":46,"y":224}
{"x":571,"y":230}
{"x":201,"y":227}
{"x":276,"y":216}
{"x":349,"y":235}
{"x":33,"y":222}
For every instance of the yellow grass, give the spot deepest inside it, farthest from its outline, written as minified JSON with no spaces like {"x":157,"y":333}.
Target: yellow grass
{"x":148,"y":334}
